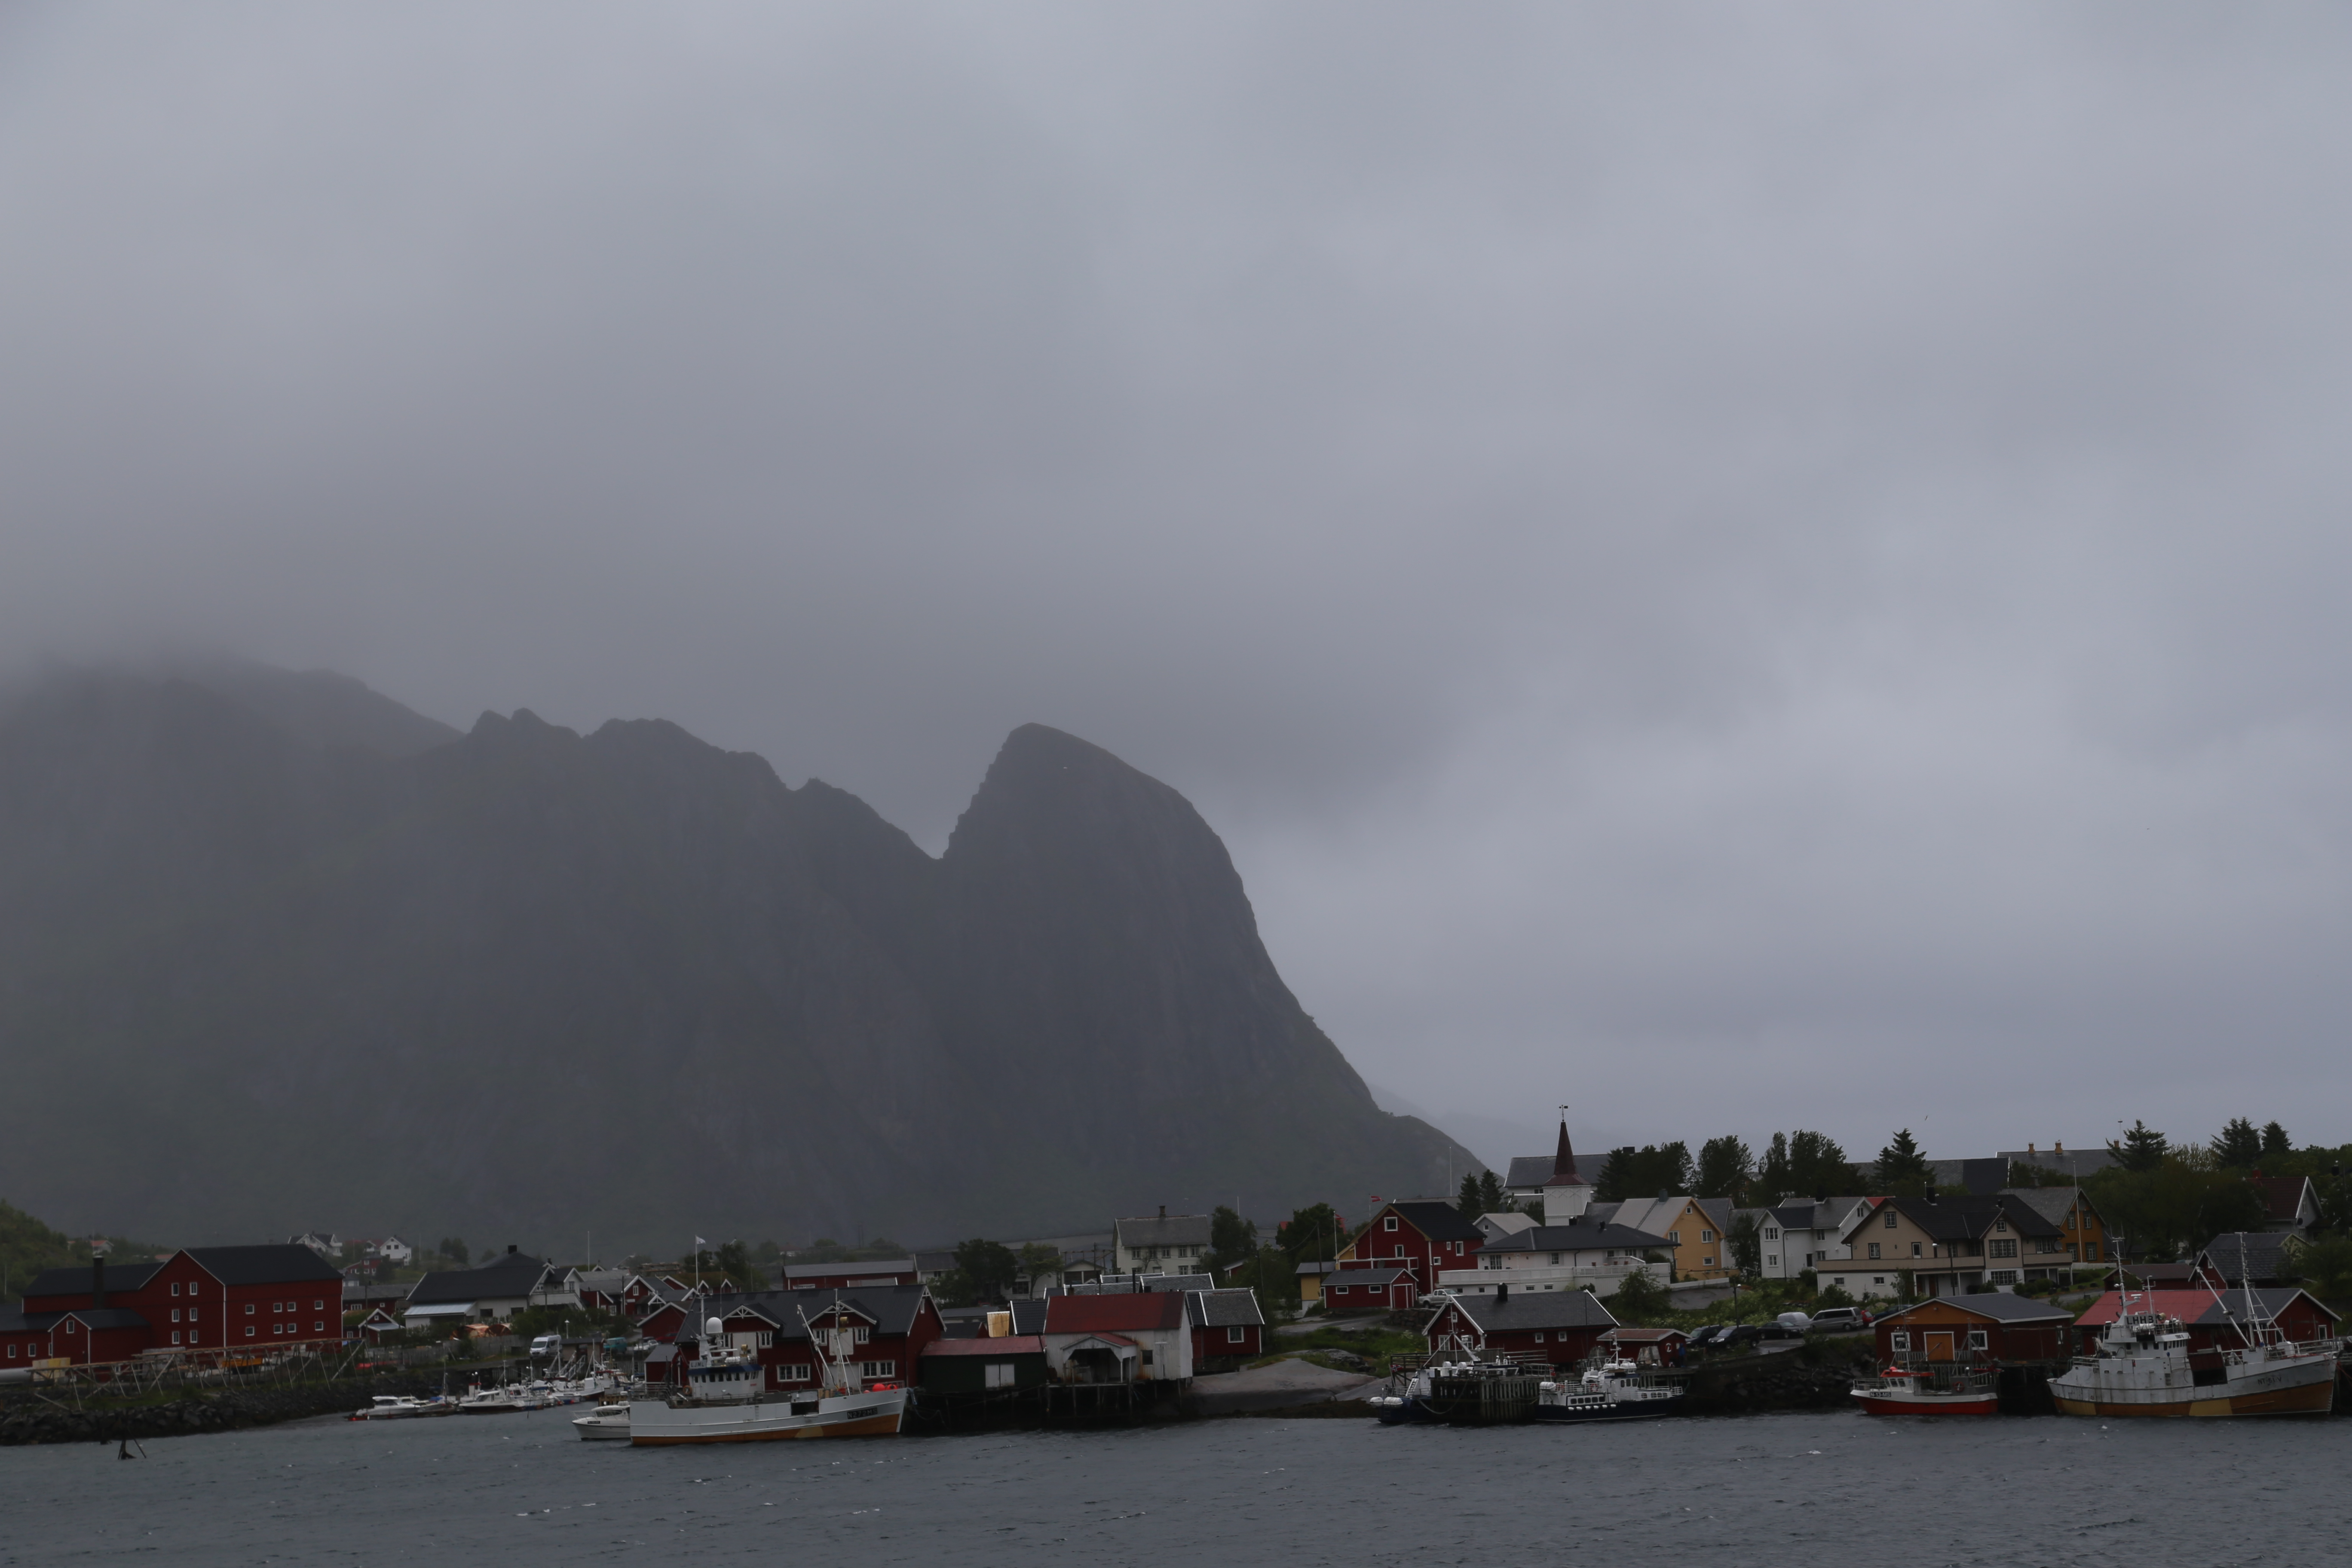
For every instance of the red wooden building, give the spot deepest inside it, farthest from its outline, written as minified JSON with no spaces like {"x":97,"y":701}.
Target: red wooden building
{"x":1227,"y":1328}
{"x":1562,"y":1327}
{"x":1992,"y":1326}
{"x":207,"y":1302}
{"x":1352,"y":1289}
{"x":1421,"y":1236}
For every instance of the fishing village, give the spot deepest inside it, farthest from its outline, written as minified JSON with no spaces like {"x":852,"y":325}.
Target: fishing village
{"x":1526,"y":1297}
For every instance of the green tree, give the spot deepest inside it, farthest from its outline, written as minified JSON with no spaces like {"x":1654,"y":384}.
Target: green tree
{"x":2238,"y":1146}
{"x":1818,"y":1166}
{"x":1037,"y":1260}
{"x":453,"y":1249}
{"x":2326,"y":1269}
{"x":1902,"y":1170}
{"x":1726,"y":1169}
{"x":1746,"y":1243}
{"x":732,"y":1261}
{"x":2276,"y":1144}
{"x":1466,"y":1200}
{"x":2022,"y":1175}
{"x":1631,"y":1172}
{"x":27,"y":1247}
{"x":2167,"y":1210}
{"x":1311,"y":1233}
{"x":1638,"y":1301}
{"x":1490,"y":1194}
{"x":1231,"y":1238}
{"x":2141,"y":1150}
{"x":988,"y":1268}
{"x":1774,"y":1178}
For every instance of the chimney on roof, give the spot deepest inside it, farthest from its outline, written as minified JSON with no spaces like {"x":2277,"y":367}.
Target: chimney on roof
{"x":510,"y":1250}
{"x":1502,"y":1291}
{"x":1163,"y":1211}
{"x":96,"y":1279}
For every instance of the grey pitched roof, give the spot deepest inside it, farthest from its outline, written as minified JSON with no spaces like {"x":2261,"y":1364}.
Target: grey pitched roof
{"x":1971,"y":1218}
{"x":1534,"y":1170}
{"x":1382,"y":1277}
{"x":511,"y":1275}
{"x":1719,"y":1210}
{"x":1536,"y":1310}
{"x":874,"y":1266}
{"x":273,"y":1265}
{"x":1993,"y":1304}
{"x":2266,"y":1254}
{"x":1028,"y":1315}
{"x":1578,"y":1236}
{"x":2050,"y":1203}
{"x":1437,"y":1220}
{"x":1224,"y":1308}
{"x":1175,"y":1230}
{"x":73,"y":1280}
{"x":891,"y":1308}
{"x":2074,"y":1162}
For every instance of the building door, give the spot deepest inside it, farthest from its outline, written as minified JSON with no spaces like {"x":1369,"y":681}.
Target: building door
{"x":1939,"y":1346}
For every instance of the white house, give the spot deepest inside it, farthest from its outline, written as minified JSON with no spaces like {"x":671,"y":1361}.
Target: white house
{"x":1149,"y":1245}
{"x":1584,"y":1254}
{"x":1791,"y":1237}
{"x":392,"y":1249}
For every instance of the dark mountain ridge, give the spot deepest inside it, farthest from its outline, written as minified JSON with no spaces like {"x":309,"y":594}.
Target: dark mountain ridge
{"x":273,"y":955}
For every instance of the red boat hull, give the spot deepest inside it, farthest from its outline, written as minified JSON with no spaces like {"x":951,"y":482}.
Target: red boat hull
{"x":1929,"y":1403}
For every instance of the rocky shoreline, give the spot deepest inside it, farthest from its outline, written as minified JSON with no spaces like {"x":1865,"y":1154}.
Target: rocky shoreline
{"x":29,"y":1421}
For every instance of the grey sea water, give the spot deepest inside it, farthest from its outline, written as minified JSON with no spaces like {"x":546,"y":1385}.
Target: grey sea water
{"x":1812,"y":1490}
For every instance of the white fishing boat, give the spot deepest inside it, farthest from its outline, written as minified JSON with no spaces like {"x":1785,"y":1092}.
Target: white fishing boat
{"x":726,"y":1400}
{"x":1608,"y":1391}
{"x":607,"y":1424}
{"x":2145,"y":1365}
{"x":391,"y":1407}
{"x":505,"y":1400}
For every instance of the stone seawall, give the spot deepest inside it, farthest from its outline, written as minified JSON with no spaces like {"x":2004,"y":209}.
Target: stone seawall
{"x":28,"y":1420}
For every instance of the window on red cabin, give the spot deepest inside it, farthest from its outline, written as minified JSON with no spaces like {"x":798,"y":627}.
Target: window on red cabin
{"x":1235,"y":1336}
{"x":1389,"y":1224}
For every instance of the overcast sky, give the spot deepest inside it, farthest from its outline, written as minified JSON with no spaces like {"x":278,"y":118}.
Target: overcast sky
{"x":1741,"y":568}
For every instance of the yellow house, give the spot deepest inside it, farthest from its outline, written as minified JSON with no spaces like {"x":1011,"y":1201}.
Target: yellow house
{"x":1696,"y":1229}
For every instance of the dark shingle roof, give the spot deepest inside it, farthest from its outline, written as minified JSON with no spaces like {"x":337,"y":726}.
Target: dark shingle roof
{"x":1348,"y":1277}
{"x":1972,"y":1217}
{"x":278,"y":1263}
{"x":2264,"y":1254}
{"x":1437,"y":1220}
{"x":73,"y":1280}
{"x":1580,"y":1236}
{"x":1028,"y":1315}
{"x":798,"y":1272}
{"x":1536,"y":1310}
{"x":1224,"y":1308}
{"x":1171,"y":1230}
{"x":1992,"y":1304}
{"x":891,"y":1308}
{"x":512,"y":1276}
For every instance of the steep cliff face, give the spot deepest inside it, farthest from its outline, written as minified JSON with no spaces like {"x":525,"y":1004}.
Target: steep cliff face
{"x":261,"y":974}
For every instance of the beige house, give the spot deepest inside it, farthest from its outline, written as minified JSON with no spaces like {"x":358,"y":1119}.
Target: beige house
{"x":1697,"y":1232}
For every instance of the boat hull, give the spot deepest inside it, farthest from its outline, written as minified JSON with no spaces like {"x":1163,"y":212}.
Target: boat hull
{"x":2307,"y":1399}
{"x":877,"y":1414}
{"x":1877,"y":1403}
{"x":1620,"y":1410}
{"x":2303,"y":1386}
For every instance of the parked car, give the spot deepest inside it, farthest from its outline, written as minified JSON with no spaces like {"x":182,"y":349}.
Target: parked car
{"x":1740,"y":1334}
{"x":1705,"y":1336}
{"x":546,"y":1346}
{"x":1839,"y":1320}
{"x":1797,"y":1321}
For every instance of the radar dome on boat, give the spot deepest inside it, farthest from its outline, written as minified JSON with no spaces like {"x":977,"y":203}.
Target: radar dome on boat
{"x":712,"y":1328}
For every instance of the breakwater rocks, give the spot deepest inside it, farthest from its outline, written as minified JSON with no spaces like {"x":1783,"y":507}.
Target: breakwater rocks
{"x":27,"y":1420}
